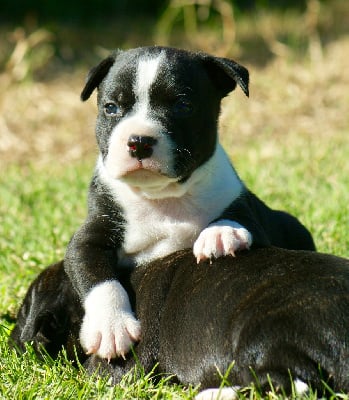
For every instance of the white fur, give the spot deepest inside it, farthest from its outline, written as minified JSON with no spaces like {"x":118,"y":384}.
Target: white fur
{"x":109,"y":327}
{"x":228,"y":393}
{"x":231,"y":393}
{"x":146,"y":75}
{"x":169,"y":216}
{"x":300,"y":387}
{"x":121,"y":166}
{"x":221,"y":238}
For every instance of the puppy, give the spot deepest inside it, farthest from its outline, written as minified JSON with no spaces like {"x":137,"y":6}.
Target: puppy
{"x":162,"y":183}
{"x":270,"y":315}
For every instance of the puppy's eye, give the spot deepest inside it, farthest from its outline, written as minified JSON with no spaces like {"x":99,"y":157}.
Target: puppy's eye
{"x":111,"y":110}
{"x":182,"y":108}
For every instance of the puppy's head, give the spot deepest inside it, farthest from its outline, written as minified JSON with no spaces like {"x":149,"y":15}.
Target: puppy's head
{"x":158,"y":112}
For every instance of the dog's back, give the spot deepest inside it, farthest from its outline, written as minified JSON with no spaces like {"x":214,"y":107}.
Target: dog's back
{"x":274,"y":313}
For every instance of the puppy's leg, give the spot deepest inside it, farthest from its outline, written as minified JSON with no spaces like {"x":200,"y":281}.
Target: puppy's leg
{"x":109,"y":327}
{"x":221,"y":238}
{"x":91,"y":262}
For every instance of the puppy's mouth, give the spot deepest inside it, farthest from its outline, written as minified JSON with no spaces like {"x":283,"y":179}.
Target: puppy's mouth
{"x":144,"y":175}
{"x":139,"y":173}
{"x":140,"y":168}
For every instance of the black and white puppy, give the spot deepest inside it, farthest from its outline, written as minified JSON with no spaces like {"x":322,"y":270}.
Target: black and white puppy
{"x":281,"y":316}
{"x":162,"y":183}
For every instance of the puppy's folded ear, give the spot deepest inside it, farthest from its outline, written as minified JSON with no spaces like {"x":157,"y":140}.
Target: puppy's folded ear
{"x":226,"y":73}
{"x":96,"y":75}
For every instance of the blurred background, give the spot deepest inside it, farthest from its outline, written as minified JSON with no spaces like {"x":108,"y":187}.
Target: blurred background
{"x":296,"y":50}
{"x":289,"y":140}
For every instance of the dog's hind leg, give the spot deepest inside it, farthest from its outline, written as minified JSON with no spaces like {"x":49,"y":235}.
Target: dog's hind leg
{"x":227,"y":393}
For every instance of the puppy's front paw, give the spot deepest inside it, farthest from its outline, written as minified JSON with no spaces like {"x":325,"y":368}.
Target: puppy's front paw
{"x":109,"y":328}
{"x":220,"y":239}
{"x":111,"y":337}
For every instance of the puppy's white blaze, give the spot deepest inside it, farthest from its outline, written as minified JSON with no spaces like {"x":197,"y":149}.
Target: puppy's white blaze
{"x":146,"y":75}
{"x":229,"y":393}
{"x":109,"y":327}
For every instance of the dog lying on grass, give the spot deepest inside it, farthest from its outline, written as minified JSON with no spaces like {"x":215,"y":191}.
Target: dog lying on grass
{"x":274,"y":313}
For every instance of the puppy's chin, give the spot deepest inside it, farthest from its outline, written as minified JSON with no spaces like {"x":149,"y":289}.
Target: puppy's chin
{"x":143,"y":177}
{"x":151,"y":184}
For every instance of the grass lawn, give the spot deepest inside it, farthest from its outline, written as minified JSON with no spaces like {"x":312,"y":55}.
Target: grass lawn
{"x":289,"y":143}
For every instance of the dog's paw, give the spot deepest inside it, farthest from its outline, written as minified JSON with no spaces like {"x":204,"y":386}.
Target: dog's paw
{"x":109,"y":338}
{"x":109,"y":327}
{"x":227,"y":393}
{"x":221,"y":238}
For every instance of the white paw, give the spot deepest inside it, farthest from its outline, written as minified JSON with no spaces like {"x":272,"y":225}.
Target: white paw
{"x":300,"y":387}
{"x":221,"y":238}
{"x":109,"y":327}
{"x":218,"y":394}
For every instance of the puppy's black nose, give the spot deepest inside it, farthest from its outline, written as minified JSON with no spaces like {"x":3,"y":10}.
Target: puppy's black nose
{"x":141,"y":147}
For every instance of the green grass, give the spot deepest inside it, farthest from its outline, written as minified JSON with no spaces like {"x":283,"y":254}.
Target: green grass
{"x":307,"y":177}
{"x":39,"y":211}
{"x":24,"y":377}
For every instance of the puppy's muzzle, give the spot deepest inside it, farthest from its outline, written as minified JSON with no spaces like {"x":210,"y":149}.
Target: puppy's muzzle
{"x":141,"y":147}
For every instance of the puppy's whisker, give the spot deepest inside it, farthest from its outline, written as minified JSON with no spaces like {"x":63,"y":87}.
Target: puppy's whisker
{"x":184,"y":150}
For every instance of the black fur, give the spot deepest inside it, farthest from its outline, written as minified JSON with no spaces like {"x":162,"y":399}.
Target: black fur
{"x":274,"y":312}
{"x":50,"y":315}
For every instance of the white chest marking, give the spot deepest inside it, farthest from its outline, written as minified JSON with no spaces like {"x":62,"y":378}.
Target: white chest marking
{"x":159,"y":226}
